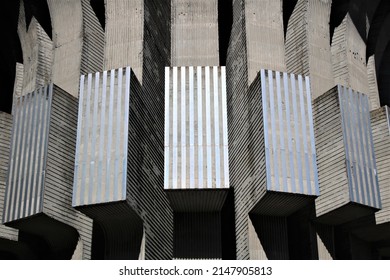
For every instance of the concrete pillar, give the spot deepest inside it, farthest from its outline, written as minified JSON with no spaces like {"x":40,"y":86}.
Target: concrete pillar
{"x":307,"y":44}
{"x":195,"y":33}
{"x":37,"y":50}
{"x":349,"y":57}
{"x":373,"y":92}
{"x":92,"y":55}
{"x":66,"y":19}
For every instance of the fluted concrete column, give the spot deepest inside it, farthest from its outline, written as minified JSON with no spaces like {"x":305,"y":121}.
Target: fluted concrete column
{"x":307,"y":44}
{"x":66,"y":19}
{"x":37,"y":50}
{"x":349,"y":57}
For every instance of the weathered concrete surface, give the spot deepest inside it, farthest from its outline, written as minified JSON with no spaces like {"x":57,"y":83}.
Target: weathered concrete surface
{"x":92,"y":56}
{"x":124,"y":35}
{"x":195,"y":33}
{"x":66,"y":18}
{"x":264,"y":36}
{"x":307,"y":44}
{"x":349,"y":57}
{"x":373,"y":92}
{"x":37,"y":53}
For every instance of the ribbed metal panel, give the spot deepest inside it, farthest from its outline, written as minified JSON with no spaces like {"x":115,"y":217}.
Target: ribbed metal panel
{"x":346,"y":160}
{"x":358,"y":143}
{"x":196,"y":144}
{"x":5,"y":143}
{"x":28,"y":154}
{"x":380,"y":121}
{"x":195,"y":32}
{"x":289,"y":134}
{"x":41,"y":169}
{"x":102,"y":138}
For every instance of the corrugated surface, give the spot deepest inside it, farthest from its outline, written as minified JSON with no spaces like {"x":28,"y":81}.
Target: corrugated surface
{"x":307,"y":44}
{"x":195,"y":32}
{"x":331,"y":154}
{"x":5,"y":143}
{"x":380,"y":121}
{"x":102,"y":138}
{"x":373,"y":92}
{"x":289,"y":134}
{"x":272,"y":235}
{"x":61,"y":146}
{"x":92,"y":55}
{"x":349,"y":56}
{"x":196,"y":143}
{"x":346,"y":160}
{"x":264,"y":36}
{"x":247,"y":170}
{"x":41,"y":166}
{"x":28,"y":155}
{"x":359,"y":148}
{"x":67,"y":25}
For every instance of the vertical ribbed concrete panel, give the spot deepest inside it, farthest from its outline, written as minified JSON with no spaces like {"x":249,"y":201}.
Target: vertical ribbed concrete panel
{"x":37,"y":53}
{"x":66,"y":19}
{"x":380,"y":121}
{"x":5,"y":144}
{"x":307,"y":44}
{"x":194,"y":32}
{"x":115,"y":173}
{"x":124,"y":35}
{"x":264,"y":36}
{"x":196,"y":169}
{"x":38,"y":195}
{"x":92,"y":55}
{"x":283,"y":106}
{"x":373,"y":92}
{"x":349,"y":57}
{"x":346,"y":159}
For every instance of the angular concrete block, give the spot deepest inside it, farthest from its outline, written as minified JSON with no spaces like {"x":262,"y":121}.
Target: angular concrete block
{"x":39,"y":186}
{"x":346,"y":158}
{"x":282,"y":142}
{"x":380,"y":121}
{"x":196,"y":144}
{"x":114,"y":175}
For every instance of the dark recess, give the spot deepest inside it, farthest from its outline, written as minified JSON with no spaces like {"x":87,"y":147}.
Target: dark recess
{"x":225,"y":21}
{"x":100,"y":11}
{"x":288,"y":8}
{"x":39,"y":10}
{"x":10,"y":52}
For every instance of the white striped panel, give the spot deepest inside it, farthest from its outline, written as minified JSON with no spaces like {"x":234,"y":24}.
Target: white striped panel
{"x":195,"y":116}
{"x":101,"y":160}
{"x":289,"y":133}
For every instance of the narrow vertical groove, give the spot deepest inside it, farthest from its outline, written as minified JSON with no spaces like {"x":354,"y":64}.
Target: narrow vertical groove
{"x":174,"y":130}
{"x":183,"y":119}
{"x":167,"y":128}
{"x":200,"y":127}
{"x":192,"y":127}
{"x":208,"y":128}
